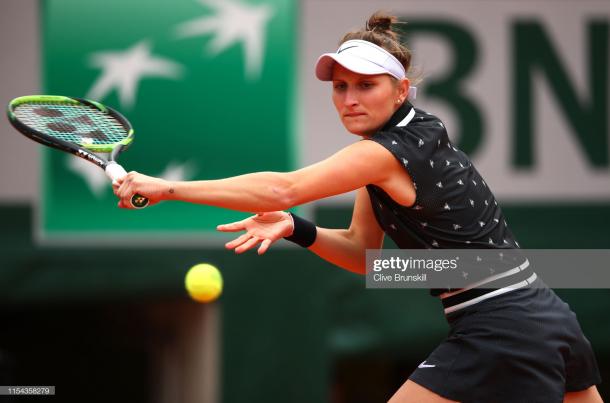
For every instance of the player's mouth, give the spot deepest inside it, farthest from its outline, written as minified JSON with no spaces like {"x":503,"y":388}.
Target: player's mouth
{"x":353,"y":114}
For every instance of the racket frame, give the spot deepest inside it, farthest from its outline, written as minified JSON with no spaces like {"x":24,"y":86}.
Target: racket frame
{"x":110,"y":166}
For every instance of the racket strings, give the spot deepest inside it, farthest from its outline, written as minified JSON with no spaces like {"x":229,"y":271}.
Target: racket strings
{"x":80,"y":124}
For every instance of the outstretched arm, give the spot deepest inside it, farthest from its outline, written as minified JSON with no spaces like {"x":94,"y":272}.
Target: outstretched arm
{"x":345,"y":248}
{"x":362,"y":163}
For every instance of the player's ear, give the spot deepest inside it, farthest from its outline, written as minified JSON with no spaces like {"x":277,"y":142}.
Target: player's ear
{"x":403,"y":89}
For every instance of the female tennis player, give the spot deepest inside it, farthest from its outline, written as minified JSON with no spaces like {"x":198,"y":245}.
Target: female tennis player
{"x":508,"y":342}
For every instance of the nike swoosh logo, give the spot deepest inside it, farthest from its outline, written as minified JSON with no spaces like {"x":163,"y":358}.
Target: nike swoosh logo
{"x":424,"y":365}
{"x":344,"y":49}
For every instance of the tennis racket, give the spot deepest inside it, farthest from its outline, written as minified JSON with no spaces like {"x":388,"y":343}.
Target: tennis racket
{"x":77,"y":126}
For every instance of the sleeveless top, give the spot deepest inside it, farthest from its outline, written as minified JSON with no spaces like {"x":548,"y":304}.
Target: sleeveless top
{"x":454,"y":207}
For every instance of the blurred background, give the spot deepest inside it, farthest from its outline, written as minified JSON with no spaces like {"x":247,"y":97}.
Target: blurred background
{"x":92,"y":298}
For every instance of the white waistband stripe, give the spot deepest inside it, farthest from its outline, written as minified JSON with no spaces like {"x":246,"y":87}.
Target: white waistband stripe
{"x":491,"y":294}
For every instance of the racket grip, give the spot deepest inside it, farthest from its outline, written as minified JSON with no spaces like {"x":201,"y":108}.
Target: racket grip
{"x":114,"y":171}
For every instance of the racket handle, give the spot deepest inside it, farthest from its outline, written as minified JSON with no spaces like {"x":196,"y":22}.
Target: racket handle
{"x":114,"y":171}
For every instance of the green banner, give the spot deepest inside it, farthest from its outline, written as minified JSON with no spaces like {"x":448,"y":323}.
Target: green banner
{"x":208,"y":86}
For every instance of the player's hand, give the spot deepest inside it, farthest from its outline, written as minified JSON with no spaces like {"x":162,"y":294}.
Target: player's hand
{"x":263,"y":228}
{"x":136,"y":183}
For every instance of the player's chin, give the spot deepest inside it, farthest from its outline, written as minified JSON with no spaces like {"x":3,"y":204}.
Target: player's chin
{"x":357,"y":128}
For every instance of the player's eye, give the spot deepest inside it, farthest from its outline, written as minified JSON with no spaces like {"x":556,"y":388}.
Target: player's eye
{"x":339,"y":86}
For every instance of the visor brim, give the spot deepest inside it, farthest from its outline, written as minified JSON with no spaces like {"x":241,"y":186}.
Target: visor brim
{"x":326,"y":62}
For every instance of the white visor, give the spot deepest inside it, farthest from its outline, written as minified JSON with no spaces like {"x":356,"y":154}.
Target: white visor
{"x":361,"y":57}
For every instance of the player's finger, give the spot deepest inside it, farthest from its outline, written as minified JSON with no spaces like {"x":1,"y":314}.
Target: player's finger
{"x":238,"y":241}
{"x":264,"y":246}
{"x":123,"y":205}
{"x":116,"y":188}
{"x":252,"y":242}
{"x":231,"y":227}
{"x":127,"y":203}
{"x":127,"y":191}
{"x":125,"y":195}
{"x":122,"y":189}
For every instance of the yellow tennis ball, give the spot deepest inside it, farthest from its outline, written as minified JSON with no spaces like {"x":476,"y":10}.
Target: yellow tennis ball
{"x":203,"y":282}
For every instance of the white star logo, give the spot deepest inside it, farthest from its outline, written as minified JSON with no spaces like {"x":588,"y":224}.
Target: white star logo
{"x":123,"y":70}
{"x":233,"y":22}
{"x":176,"y":171}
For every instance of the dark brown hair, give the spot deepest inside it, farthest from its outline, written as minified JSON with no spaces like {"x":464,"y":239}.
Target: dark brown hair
{"x":378,"y":30}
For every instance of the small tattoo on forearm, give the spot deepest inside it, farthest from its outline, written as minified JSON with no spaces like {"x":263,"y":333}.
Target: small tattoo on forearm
{"x":171,"y":190}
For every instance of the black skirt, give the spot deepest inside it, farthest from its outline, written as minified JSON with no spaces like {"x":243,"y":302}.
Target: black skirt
{"x":521,"y":346}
